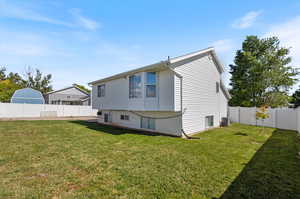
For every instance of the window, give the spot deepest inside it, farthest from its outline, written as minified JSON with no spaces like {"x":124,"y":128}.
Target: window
{"x":124,"y":117}
{"x":150,"y":84}
{"x":135,"y":86}
{"x":217,"y":87}
{"x":147,"y":123}
{"x":209,"y":121}
{"x":99,"y":113}
{"x":101,"y":90}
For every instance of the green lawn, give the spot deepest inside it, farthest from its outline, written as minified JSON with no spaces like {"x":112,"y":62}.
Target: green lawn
{"x":75,"y":159}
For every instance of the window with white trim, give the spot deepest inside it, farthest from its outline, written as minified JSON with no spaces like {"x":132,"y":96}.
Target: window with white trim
{"x":124,"y":117}
{"x":147,"y":123}
{"x":101,"y":90}
{"x":209,"y":121}
{"x":135,"y":86}
{"x":150,"y":84}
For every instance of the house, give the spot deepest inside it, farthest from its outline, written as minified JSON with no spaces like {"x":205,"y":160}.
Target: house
{"x":184,"y":92}
{"x":72,"y":95}
{"x":27,"y":96}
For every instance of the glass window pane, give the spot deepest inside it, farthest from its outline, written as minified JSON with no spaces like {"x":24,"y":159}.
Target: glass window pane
{"x":150,"y":91}
{"x":209,"y":121}
{"x":101,"y":90}
{"x":135,"y":86}
{"x":147,"y":123}
{"x":151,"y":124}
{"x":151,"y":78}
{"x":144,"y":123}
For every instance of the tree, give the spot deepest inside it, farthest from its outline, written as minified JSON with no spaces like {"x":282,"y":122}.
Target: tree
{"x":7,"y":89}
{"x":296,"y":98}
{"x":2,"y":73}
{"x":9,"y":84}
{"x":261,"y":74}
{"x":33,"y":78}
{"x":83,"y":88}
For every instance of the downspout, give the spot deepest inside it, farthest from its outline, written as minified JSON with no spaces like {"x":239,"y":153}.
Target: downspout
{"x":167,"y":64}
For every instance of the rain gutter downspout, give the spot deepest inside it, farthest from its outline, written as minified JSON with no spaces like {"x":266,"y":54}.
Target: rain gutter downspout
{"x":167,"y":64}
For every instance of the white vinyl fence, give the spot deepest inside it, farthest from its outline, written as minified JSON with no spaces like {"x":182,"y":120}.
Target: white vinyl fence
{"x":10,"y":110}
{"x":282,"y":118}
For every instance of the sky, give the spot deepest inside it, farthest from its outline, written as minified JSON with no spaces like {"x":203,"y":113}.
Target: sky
{"x":81,"y":41}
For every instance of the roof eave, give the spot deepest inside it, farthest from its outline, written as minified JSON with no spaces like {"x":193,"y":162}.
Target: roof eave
{"x":201,"y":52}
{"x":158,"y":66}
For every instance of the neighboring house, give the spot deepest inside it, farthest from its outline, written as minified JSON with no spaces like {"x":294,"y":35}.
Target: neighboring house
{"x":68,"y":96}
{"x":27,"y":96}
{"x":184,"y":92}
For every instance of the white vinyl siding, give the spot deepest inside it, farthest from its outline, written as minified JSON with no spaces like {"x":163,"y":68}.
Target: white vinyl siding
{"x":199,"y":93}
{"x":177,"y":93}
{"x":223,"y":104}
{"x":117,"y":94}
{"x":171,"y":126}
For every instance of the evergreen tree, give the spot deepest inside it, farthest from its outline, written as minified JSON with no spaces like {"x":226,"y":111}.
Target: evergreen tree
{"x":296,"y":98}
{"x":261,"y":74}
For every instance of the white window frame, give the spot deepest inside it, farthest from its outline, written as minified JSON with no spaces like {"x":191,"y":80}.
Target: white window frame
{"x":209,"y":121}
{"x":148,"y":121}
{"x":150,"y":84}
{"x":124,"y":117}
{"x":101,"y":90}
{"x":135,"y":88}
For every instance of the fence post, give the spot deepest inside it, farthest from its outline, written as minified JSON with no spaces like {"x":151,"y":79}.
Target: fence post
{"x":276,"y":118}
{"x":239,"y":114}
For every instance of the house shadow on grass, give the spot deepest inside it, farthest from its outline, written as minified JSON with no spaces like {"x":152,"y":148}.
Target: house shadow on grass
{"x":273,"y":172}
{"x":114,"y":130}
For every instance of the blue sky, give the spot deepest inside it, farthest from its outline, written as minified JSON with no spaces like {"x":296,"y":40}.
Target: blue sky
{"x":81,"y":41}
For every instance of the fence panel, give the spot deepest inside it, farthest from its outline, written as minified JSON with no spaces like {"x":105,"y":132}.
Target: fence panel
{"x":298,"y":119}
{"x":246,"y":116}
{"x":287,"y":119}
{"x":283,"y":118}
{"x":234,"y":114}
{"x":10,"y":110}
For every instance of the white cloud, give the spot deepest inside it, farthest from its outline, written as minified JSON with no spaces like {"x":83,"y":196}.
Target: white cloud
{"x":84,"y":21}
{"x":225,"y":49}
{"x":10,"y":10}
{"x":223,"y":46}
{"x":247,"y":20}
{"x":288,"y":34}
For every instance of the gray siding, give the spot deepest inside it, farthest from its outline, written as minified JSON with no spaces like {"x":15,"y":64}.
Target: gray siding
{"x":70,"y":94}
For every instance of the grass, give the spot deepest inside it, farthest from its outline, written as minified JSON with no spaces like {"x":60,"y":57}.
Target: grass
{"x":75,"y":159}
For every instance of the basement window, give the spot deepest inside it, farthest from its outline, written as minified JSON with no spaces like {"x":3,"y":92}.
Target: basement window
{"x":147,"y":123}
{"x":209,"y":121}
{"x":124,"y":117}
